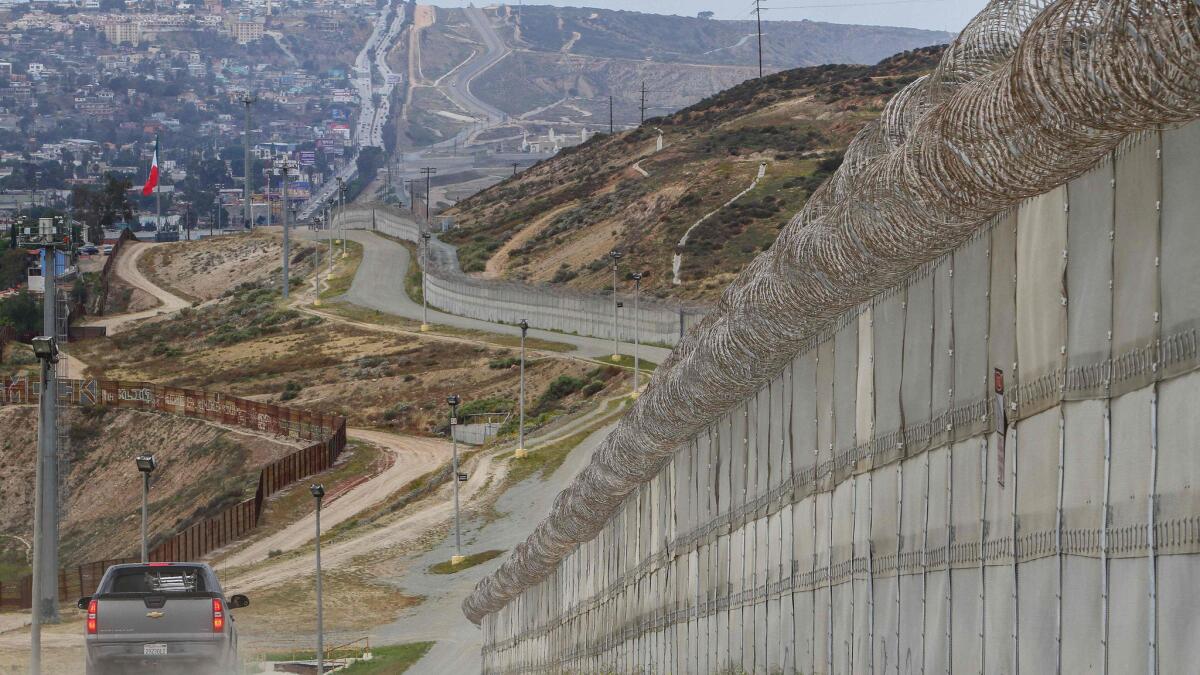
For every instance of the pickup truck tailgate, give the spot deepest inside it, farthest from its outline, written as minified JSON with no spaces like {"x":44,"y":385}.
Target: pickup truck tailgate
{"x":155,"y":617}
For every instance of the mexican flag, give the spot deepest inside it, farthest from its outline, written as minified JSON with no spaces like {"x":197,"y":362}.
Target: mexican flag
{"x":152,"y":179}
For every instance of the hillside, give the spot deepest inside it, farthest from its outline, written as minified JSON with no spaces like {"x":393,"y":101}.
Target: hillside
{"x":562,"y":64}
{"x":103,"y":523}
{"x":606,"y":33}
{"x":557,"y":221}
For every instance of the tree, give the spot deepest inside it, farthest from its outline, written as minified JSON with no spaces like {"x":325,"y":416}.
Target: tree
{"x":705,"y":15}
{"x":22,"y":313}
{"x":104,"y":208}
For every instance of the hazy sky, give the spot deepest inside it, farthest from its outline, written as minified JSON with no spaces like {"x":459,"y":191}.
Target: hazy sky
{"x":948,"y":15}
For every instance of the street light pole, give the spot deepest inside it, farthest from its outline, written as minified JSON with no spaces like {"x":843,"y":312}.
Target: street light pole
{"x":145,"y":465}
{"x":318,"y":492}
{"x":286,"y":244}
{"x":637,"y":331}
{"x":616,"y":355}
{"x":46,"y":350}
{"x":342,"y":190}
{"x":425,"y":281}
{"x":454,"y":400}
{"x":521,"y":451}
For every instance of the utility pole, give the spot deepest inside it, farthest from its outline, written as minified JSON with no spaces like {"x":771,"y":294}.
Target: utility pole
{"x":247,"y":208}
{"x":758,"y":15}
{"x":643,"y":118}
{"x":610,"y":115}
{"x":428,"y":171}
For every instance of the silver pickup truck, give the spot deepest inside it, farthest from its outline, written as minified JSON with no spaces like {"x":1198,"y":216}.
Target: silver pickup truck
{"x":170,"y":618}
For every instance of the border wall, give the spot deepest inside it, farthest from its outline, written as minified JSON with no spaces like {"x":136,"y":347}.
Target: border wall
{"x":546,"y":307}
{"x":879,"y":507}
{"x":197,"y":537}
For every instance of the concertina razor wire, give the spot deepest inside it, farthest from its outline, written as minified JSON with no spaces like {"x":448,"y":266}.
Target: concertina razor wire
{"x":1030,"y":94}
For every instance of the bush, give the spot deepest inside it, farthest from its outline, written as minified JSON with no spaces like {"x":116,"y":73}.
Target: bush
{"x":290,"y":391}
{"x":504,"y":364}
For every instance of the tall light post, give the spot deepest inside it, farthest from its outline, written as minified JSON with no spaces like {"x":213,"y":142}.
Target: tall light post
{"x":247,"y":189}
{"x":616,"y":355}
{"x":521,"y":451}
{"x":286,"y":168}
{"x":146,"y":466}
{"x":329,"y":235}
{"x":454,"y":400}
{"x":318,"y":493}
{"x":637,"y":331}
{"x":46,"y":350}
{"x":342,"y":190}
{"x":425,"y":281}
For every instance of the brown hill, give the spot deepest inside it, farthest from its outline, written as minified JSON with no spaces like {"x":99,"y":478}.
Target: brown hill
{"x":558,"y":220}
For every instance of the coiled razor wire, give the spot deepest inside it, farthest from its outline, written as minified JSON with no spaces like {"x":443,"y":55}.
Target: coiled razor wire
{"x":1030,"y":94}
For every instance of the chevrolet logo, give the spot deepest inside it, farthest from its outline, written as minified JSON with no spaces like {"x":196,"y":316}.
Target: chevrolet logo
{"x":154,"y":615}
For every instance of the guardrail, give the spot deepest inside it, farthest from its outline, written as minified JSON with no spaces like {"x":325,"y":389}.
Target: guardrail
{"x":544,"y":306}
{"x":202,"y":534}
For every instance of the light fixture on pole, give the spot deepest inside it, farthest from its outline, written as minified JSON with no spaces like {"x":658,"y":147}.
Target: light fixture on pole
{"x":454,"y":400}
{"x":521,"y":451}
{"x":637,"y":332}
{"x":616,"y":355}
{"x":425,"y":281}
{"x":318,"y":493}
{"x":145,"y":465}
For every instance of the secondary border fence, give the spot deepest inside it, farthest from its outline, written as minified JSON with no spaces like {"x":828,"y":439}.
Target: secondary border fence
{"x":545,"y":306}
{"x":947,"y":423}
{"x":204,"y":534}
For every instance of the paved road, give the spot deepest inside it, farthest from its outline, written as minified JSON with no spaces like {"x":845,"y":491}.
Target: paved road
{"x":379,"y":285}
{"x":457,"y":642}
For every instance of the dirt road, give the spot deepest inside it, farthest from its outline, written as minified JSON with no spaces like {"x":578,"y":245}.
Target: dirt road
{"x":128,"y":270}
{"x":413,"y":457}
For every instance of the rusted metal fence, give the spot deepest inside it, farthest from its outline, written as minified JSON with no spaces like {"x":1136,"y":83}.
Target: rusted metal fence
{"x":327,"y":433}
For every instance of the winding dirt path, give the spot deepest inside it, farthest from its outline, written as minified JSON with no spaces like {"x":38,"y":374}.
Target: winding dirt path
{"x":128,"y":270}
{"x":413,"y":457}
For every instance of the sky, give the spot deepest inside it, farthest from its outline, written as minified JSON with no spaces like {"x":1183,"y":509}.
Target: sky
{"x":947,"y":15}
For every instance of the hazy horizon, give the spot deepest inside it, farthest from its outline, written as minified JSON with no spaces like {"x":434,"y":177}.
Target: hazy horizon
{"x":944,"y":15}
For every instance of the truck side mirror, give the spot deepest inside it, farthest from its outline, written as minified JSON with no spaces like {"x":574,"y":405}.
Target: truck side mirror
{"x":236,"y":601}
{"x":82,"y":603}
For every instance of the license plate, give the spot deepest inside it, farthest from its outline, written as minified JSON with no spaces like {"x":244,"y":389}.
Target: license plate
{"x":154,"y":650}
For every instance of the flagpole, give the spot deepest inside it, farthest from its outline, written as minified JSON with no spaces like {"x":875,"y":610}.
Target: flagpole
{"x":158,"y":226}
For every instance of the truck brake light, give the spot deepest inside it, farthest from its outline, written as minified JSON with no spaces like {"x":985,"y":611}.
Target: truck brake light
{"x":91,"y":618}
{"x":218,"y":616}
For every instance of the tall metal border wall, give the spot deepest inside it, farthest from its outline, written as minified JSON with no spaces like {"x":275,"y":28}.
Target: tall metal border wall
{"x":545,"y":307}
{"x":861,"y":513}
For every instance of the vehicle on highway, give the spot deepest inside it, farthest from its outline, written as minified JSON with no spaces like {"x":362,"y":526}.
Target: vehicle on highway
{"x":107,"y":248}
{"x":160,"y":617}
{"x":89,"y":250}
